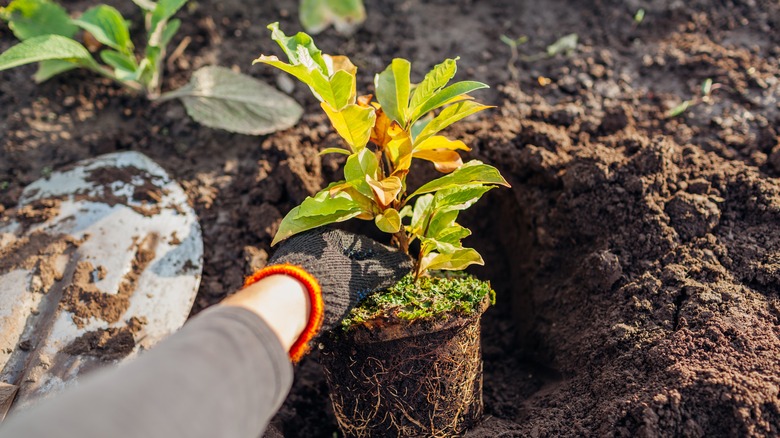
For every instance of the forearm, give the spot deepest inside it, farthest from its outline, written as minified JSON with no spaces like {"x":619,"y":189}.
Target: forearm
{"x":224,"y":374}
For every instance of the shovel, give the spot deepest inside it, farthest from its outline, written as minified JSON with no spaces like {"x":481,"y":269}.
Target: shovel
{"x":97,"y":263}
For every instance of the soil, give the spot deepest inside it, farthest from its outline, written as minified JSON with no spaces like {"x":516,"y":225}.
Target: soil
{"x":636,"y":258}
{"x":393,"y":378}
{"x":107,"y":344}
{"x":85,"y":300}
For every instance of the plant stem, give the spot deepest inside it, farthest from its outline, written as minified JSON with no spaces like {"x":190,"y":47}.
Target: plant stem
{"x":402,"y":240}
{"x":131,"y":85}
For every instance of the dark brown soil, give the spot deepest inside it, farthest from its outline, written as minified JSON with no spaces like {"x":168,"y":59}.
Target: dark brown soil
{"x":108,"y":344}
{"x":640,"y":255}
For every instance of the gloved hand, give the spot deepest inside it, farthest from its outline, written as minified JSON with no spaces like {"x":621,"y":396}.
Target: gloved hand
{"x":339,"y":269}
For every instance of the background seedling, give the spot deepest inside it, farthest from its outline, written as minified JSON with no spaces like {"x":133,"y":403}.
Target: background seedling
{"x":707,"y":87}
{"x":47,"y":34}
{"x":639,"y":16}
{"x":345,"y":15}
{"x":382,"y":138}
{"x":513,"y":44}
{"x":566,"y":45}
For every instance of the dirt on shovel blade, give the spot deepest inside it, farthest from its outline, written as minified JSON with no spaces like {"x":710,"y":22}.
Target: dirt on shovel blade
{"x":636,"y":258}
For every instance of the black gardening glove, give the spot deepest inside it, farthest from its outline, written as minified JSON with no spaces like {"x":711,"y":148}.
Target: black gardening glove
{"x":347,"y":266}
{"x":338,"y":269}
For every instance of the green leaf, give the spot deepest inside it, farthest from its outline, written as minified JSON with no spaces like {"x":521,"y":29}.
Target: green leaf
{"x":407,"y":211}
{"x":108,"y":26}
{"x":341,"y":85}
{"x":434,"y":81}
{"x":163,"y":11}
{"x":361,"y":164}
{"x":421,"y":213}
{"x":706,"y":87}
{"x":169,"y":32}
{"x":290,"y":46}
{"x":418,"y":126}
{"x":440,"y":221}
{"x":119,"y":60}
{"x":445,"y":96}
{"x":447,"y":203}
{"x":454,"y":261}
{"x":336,"y":91}
{"x":322,"y":209}
{"x":565,"y":44}
{"x":448,"y":116}
{"x":389,"y":221}
{"x":459,"y":197}
{"x":145,"y":5}
{"x":47,"y":47}
{"x":472,"y":172}
{"x":125,"y":67}
{"x":392,"y":90}
{"x":676,"y":111}
{"x":453,"y":234}
{"x":353,"y":123}
{"x":334,"y":151}
{"x":345,"y":15}
{"x":639,"y":16}
{"x":218,"y":97}
{"x":48,"y":69}
{"x":31,"y":18}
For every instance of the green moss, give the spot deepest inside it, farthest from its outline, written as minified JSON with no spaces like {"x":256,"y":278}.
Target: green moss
{"x":429,"y":298}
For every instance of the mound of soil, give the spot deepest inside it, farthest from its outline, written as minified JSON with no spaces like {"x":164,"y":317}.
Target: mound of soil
{"x":640,"y":253}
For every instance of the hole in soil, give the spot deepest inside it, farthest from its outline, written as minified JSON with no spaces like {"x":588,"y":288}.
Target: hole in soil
{"x":514,"y":359}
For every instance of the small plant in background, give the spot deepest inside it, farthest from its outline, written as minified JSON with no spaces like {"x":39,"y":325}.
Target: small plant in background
{"x":47,"y":34}
{"x":707,"y":87}
{"x":513,"y":44}
{"x":383,"y":137}
{"x":216,"y":97}
{"x":344,"y":15}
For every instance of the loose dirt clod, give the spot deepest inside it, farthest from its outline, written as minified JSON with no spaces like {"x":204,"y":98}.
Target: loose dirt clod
{"x":106,"y":344}
{"x":38,"y":251}
{"x":145,"y":190}
{"x":85,"y":300}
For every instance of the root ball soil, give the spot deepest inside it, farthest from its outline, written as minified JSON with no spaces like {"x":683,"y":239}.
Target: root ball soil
{"x":421,"y":380}
{"x":637,"y":257}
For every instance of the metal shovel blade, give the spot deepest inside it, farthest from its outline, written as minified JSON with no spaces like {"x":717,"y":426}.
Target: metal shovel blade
{"x":97,"y":262}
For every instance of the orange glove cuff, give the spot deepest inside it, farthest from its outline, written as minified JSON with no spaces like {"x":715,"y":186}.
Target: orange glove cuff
{"x":317,"y":307}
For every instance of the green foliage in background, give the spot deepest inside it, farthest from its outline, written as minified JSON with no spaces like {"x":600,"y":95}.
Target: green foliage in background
{"x":48,"y":37}
{"x":344,"y":15}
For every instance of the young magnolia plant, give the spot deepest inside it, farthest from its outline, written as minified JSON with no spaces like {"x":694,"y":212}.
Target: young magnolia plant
{"x":382,"y":139}
{"x":216,"y":97}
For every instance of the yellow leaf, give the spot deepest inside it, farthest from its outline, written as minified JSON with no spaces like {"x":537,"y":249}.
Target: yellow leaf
{"x":339,"y":62}
{"x":385,"y":191}
{"x":441,"y":142}
{"x":367,"y":205}
{"x":353,"y":123}
{"x":389,"y":221}
{"x":379,"y":134}
{"x":445,"y":161}
{"x":365,"y":100}
{"x":399,"y":149}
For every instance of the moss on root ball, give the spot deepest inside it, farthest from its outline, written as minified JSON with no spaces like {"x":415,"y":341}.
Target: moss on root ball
{"x":443,"y":293}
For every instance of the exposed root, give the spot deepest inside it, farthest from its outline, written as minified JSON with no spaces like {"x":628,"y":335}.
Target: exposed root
{"x":428,"y":385}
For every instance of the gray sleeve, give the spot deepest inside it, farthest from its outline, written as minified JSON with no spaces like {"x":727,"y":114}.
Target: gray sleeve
{"x":224,"y":374}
